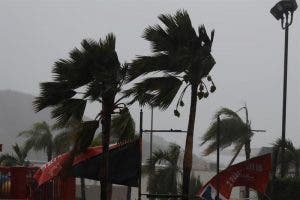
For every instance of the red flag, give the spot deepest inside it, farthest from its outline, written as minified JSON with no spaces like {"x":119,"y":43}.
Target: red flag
{"x":253,"y":173}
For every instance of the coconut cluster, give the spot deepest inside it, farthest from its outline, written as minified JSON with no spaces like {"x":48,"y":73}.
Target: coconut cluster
{"x":203,"y":92}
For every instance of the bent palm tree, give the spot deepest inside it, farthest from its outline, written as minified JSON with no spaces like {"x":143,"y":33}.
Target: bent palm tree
{"x":16,"y":159}
{"x":233,"y":131}
{"x":40,"y":137}
{"x":182,"y":57}
{"x":90,"y":74}
{"x":163,"y":171}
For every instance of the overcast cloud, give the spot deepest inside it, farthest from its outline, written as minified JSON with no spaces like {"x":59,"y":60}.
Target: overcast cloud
{"x":248,"y":49}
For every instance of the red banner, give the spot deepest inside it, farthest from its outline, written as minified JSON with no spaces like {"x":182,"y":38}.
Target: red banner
{"x":52,"y":168}
{"x":253,"y":173}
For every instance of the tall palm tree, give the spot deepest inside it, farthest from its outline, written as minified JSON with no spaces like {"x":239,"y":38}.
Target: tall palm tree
{"x":16,"y":159}
{"x":183,"y":58}
{"x":40,"y":137}
{"x":90,"y":74}
{"x":163,"y":171}
{"x":292,"y":156}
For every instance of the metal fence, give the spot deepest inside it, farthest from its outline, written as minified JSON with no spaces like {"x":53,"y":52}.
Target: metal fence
{"x":18,"y":183}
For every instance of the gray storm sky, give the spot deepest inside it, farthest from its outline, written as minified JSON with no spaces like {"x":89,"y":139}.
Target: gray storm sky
{"x":248,"y":49}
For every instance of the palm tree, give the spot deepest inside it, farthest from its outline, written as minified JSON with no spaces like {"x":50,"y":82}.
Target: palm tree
{"x":233,"y":131}
{"x":90,"y":74}
{"x":123,"y":128}
{"x":292,"y":156}
{"x":40,"y":137}
{"x":183,"y":59}
{"x":16,"y":159}
{"x":163,"y":171}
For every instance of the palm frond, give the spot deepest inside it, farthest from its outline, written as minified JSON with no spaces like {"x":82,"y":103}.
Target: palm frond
{"x":71,"y":109}
{"x":73,"y":71}
{"x":156,"y":91}
{"x":18,"y":151}
{"x":148,"y":64}
{"x":232,"y":131}
{"x":109,"y":43}
{"x":167,"y":157}
{"x":51,"y":94}
{"x":16,"y":159}
{"x":95,"y":89}
{"x":227,"y":113}
{"x":159,"y":38}
{"x":163,"y":170}
{"x":39,"y":137}
{"x":8,"y":160}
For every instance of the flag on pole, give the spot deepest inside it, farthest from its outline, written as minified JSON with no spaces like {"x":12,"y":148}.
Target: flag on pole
{"x":253,"y":173}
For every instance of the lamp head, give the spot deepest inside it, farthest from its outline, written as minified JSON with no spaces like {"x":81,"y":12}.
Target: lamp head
{"x":283,"y":7}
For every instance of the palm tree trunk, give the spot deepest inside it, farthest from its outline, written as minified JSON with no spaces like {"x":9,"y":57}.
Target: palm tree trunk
{"x":188,"y":153}
{"x":49,"y":153}
{"x":82,"y":185}
{"x":247,"y":152}
{"x":247,"y":146}
{"x":235,"y":155}
{"x":107,"y":107}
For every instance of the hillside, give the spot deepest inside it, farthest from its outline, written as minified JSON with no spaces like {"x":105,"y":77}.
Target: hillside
{"x":16,"y":115}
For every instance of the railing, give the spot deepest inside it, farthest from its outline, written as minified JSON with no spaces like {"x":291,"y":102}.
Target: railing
{"x":18,"y":183}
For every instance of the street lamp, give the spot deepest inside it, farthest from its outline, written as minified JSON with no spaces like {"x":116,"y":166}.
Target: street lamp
{"x":284,"y":11}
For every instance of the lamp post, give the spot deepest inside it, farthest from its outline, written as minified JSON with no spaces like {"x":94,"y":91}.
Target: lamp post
{"x":284,"y":11}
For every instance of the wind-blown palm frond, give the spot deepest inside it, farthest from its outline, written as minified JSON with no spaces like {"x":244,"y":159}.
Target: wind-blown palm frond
{"x":232,"y":131}
{"x":52,"y":93}
{"x":8,"y":160}
{"x":40,"y":137}
{"x":71,"y":109}
{"x":16,"y":159}
{"x":157,"y":91}
{"x":227,"y":113}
